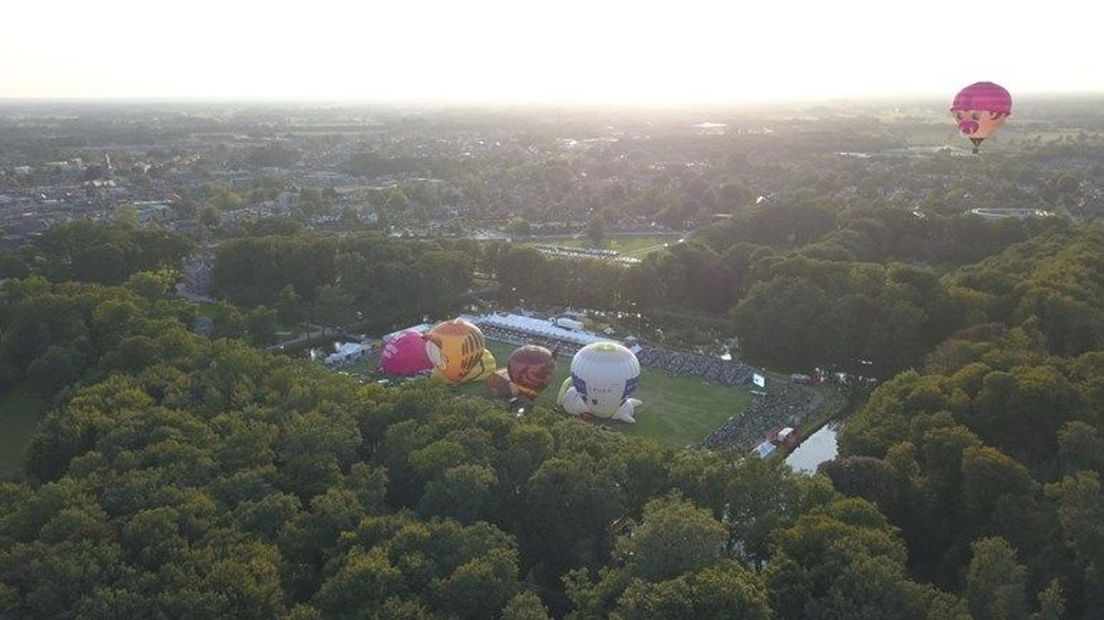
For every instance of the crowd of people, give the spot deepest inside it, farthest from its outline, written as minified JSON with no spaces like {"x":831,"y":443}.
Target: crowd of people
{"x":782,"y":405}
{"x":696,"y":365}
{"x":573,"y":252}
{"x":579,"y":251}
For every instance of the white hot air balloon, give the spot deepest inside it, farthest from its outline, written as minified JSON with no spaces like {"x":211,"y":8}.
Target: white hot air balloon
{"x":603,"y":376}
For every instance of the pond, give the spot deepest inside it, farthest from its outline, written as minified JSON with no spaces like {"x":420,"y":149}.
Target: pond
{"x":819,"y":447}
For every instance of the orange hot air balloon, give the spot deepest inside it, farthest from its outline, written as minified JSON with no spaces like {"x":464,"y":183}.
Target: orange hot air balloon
{"x":486,"y":367}
{"x":531,"y":369}
{"x":979,"y":109}
{"x":455,"y":348}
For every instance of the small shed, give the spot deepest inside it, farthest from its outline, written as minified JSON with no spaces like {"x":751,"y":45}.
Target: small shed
{"x":764,"y":449}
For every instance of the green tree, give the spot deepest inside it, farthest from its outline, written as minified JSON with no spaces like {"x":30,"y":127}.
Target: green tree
{"x":261,"y":323}
{"x":996,"y":582}
{"x":525,"y":606}
{"x":522,"y":271}
{"x":519,"y":226}
{"x":289,"y":307}
{"x":481,"y":587}
{"x":1052,"y":605}
{"x":596,"y":228}
{"x":725,"y":591}
{"x":11,"y":266}
{"x":674,"y":538}
{"x":734,"y":196}
{"x":569,"y":503}
{"x":1081,"y":515}
{"x":334,"y":307}
{"x":210,"y":217}
{"x":464,"y":492}
{"x":152,"y":286}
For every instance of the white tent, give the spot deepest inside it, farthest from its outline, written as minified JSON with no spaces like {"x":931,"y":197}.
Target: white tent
{"x":538,"y":327}
{"x":348,"y":352}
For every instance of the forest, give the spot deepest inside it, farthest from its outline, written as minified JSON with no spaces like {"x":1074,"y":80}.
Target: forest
{"x":803,"y":286}
{"x":178,"y":475}
{"x":207,"y":478}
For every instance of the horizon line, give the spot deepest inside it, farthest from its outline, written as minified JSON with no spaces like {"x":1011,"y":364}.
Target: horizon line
{"x":513,"y":102}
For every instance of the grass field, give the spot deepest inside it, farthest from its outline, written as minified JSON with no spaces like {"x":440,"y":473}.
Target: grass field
{"x":682,"y":410}
{"x":676,"y":410}
{"x":637,"y":246}
{"x":20,"y":411}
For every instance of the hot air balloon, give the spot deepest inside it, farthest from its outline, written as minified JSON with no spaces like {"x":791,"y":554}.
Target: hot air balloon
{"x":979,"y":109}
{"x":405,"y":354}
{"x":498,"y":384}
{"x":603,"y":376}
{"x":531,"y":369}
{"x":484,"y":369}
{"x":456,"y":348}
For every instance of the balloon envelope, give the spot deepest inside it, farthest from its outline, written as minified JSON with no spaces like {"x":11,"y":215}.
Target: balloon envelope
{"x":570,"y":399}
{"x":531,"y":369}
{"x":498,"y":384}
{"x":983,"y":96}
{"x":405,"y":354}
{"x":979,"y":109}
{"x":604,"y":374}
{"x":455,"y":348}
{"x":485,"y":368}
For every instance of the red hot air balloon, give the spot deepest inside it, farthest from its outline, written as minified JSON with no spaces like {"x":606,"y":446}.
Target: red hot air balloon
{"x":405,"y":354}
{"x":979,"y":109}
{"x":531,"y":369}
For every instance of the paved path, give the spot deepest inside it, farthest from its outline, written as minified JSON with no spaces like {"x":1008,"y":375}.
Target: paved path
{"x":315,"y":333}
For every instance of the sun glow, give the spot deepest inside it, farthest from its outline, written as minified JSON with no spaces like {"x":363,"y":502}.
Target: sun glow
{"x":586,"y":51}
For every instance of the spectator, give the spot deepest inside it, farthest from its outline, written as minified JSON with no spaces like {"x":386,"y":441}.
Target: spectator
{"x":681,"y":363}
{"x":783,"y":405}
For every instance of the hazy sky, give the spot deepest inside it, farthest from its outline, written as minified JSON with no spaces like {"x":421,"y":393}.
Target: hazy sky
{"x":564,"y":50}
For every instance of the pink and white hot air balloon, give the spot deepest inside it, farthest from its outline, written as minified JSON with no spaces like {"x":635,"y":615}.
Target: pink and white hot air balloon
{"x":405,"y":354}
{"x":979,"y":109}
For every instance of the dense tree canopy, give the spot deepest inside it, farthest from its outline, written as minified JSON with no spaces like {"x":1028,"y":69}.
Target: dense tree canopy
{"x":89,"y":252}
{"x":182,"y":476}
{"x":206,"y":475}
{"x":988,"y":459}
{"x":386,"y":280}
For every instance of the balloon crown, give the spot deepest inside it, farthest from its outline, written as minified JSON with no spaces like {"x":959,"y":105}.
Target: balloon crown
{"x":984,"y":96}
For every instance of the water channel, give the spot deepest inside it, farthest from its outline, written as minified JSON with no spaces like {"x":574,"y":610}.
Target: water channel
{"x":819,"y":447}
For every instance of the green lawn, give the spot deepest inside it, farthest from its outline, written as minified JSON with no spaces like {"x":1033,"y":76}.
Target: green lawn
{"x":676,"y":410}
{"x":20,"y":411}
{"x":682,"y":410}
{"x":637,"y":246}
